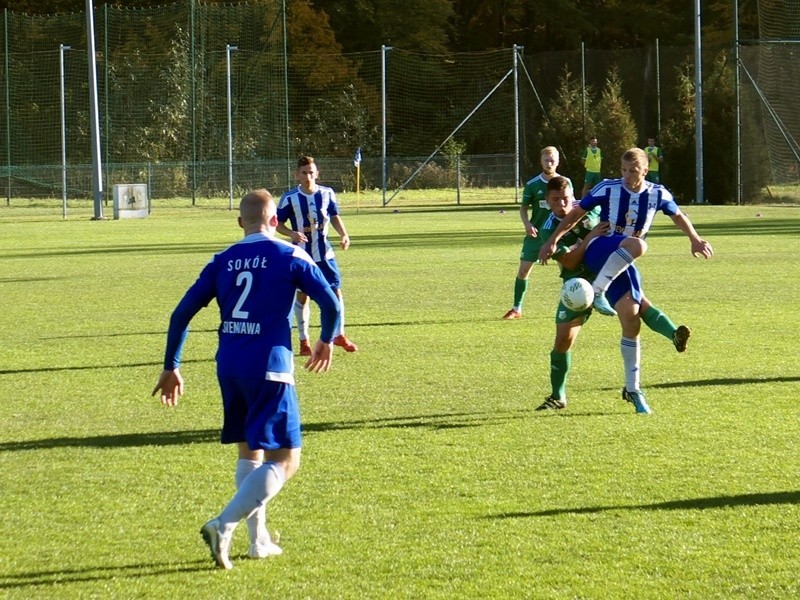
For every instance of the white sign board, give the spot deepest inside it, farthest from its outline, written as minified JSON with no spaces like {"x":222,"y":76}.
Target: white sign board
{"x":131,"y":201}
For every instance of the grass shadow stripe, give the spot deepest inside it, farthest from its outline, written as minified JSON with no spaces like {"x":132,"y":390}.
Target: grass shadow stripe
{"x":711,"y":502}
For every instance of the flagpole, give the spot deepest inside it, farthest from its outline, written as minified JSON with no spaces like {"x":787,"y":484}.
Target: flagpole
{"x":357,"y":163}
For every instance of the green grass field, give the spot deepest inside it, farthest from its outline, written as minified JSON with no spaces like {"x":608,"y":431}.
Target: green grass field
{"x":426,"y":473}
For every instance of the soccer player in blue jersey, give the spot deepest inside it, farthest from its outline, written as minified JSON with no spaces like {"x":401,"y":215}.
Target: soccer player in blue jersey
{"x":254,"y":283}
{"x":310,"y":208}
{"x":629,"y":205}
{"x":625,"y":292}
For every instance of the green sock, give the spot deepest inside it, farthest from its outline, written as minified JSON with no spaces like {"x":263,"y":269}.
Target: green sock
{"x":560,"y":363}
{"x":520,"y":287}
{"x":659,"y":322}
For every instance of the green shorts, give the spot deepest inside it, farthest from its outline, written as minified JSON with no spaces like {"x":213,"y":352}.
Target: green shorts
{"x":530,"y":249}
{"x":653,"y":176}
{"x":565,"y":315}
{"x":592,"y":179}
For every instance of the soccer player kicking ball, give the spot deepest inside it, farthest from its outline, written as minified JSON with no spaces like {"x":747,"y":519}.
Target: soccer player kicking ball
{"x":254,"y":283}
{"x":625,"y":291}
{"x":629,"y":205}
{"x":310,"y":208}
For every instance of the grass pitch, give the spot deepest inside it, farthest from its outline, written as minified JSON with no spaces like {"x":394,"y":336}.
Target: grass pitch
{"x":426,"y":473}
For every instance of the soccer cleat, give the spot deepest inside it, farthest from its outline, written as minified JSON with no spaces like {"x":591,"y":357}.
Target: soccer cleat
{"x":680,"y":337}
{"x":512,"y":314}
{"x":264,"y":549}
{"x":217,"y":543}
{"x":602,"y":306}
{"x":343,"y":342}
{"x":551,"y":403}
{"x":305,"y":348}
{"x":637,"y":399}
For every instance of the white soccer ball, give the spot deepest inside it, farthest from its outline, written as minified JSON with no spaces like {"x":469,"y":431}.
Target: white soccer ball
{"x":577,"y":294}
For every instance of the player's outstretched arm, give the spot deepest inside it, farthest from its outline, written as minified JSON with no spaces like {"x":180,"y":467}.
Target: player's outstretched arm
{"x":170,"y":383}
{"x":700,"y":247}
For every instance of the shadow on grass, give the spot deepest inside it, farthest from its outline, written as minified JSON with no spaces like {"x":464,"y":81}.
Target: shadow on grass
{"x":725,"y":381}
{"x":208,"y":436}
{"x":158,"y":363}
{"x":762,"y":499}
{"x":87,"y":574}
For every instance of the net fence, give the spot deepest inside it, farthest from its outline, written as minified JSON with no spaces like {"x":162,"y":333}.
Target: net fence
{"x":445,"y":121}
{"x":770,"y":86}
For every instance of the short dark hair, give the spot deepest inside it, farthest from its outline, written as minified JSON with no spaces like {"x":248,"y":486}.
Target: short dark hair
{"x":558,"y":184}
{"x":305,"y":160}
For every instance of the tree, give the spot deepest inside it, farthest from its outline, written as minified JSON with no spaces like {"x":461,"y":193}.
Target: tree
{"x":616,"y":129}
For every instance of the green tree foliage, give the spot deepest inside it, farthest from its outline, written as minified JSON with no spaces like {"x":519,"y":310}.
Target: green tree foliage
{"x":363,"y":25}
{"x":616,"y":129}
{"x":568,"y":125}
{"x":326,"y":92}
{"x":678,"y":139}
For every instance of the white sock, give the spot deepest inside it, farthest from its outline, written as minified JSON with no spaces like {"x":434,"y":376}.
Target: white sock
{"x":631,"y":359}
{"x":614,"y":265}
{"x":258,"y":488}
{"x":302,"y":315}
{"x":256,"y":522}
{"x":341,"y":318}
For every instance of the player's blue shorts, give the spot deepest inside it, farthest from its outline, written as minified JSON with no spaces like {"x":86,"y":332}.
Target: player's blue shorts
{"x":331,"y":271}
{"x":597,"y":252}
{"x":265,"y":414}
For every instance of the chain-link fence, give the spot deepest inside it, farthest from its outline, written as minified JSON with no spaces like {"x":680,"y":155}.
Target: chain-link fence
{"x":470,"y":121}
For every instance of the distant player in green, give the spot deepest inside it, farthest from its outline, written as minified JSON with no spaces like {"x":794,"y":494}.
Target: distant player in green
{"x":655,"y":156}
{"x":627,"y":289}
{"x":534,"y":199}
{"x":592,"y":161}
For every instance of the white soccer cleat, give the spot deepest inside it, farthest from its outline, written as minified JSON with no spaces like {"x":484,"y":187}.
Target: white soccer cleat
{"x":217,"y":543}
{"x":264,"y":550}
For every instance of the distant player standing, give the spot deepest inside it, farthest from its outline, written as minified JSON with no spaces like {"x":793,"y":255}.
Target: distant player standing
{"x":655,"y":156}
{"x":592,"y":161}
{"x":254,"y":283}
{"x":310,"y":208}
{"x":534,"y":199}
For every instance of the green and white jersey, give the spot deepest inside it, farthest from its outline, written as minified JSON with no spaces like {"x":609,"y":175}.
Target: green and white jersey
{"x":572,"y":237}
{"x":535,"y":196}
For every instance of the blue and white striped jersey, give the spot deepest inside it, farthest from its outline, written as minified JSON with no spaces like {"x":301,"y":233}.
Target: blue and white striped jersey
{"x":254,"y":282}
{"x":311,"y":214}
{"x":628,"y":213}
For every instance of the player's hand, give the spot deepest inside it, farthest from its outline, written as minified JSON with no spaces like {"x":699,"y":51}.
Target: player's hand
{"x":599,"y":230}
{"x":321,"y":356}
{"x":546,"y":251}
{"x":530,"y":230}
{"x":171,"y":385}
{"x":702,"y":248}
{"x":345,"y":242}
{"x":298,"y":237}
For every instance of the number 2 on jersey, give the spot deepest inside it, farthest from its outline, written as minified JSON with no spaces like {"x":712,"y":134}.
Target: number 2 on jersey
{"x":244,"y":278}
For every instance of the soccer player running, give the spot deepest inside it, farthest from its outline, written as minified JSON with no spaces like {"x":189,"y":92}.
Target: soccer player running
{"x":310,"y":208}
{"x":534,"y":199}
{"x":254,"y":283}
{"x":625,"y":291}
